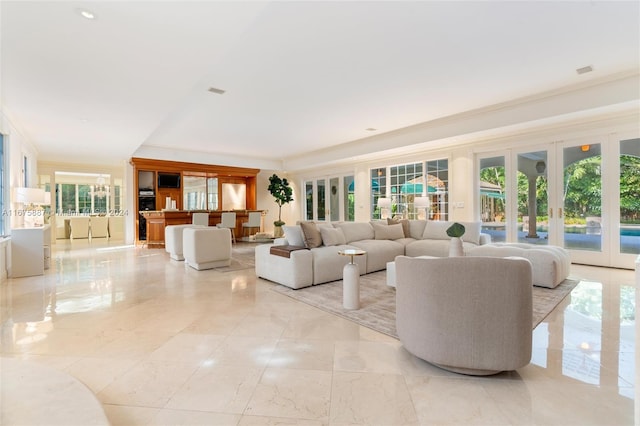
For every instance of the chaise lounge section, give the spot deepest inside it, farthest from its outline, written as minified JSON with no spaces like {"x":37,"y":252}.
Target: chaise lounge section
{"x":551,"y":264}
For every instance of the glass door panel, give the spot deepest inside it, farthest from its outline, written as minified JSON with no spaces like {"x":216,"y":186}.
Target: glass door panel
{"x":308,"y":190}
{"x":532,"y":197}
{"x":348,"y":193}
{"x":492,"y":197}
{"x":629,"y":212}
{"x":321,"y":200}
{"x":334,"y":199}
{"x":582,"y":197}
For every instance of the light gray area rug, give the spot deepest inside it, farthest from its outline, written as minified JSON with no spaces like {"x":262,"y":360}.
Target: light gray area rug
{"x":242,"y":257}
{"x":378,"y":301}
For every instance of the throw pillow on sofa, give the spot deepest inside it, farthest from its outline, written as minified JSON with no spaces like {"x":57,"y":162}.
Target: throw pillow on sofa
{"x":356,"y":231}
{"x":293,"y":234}
{"x":312,"y":236}
{"x":403,"y":222}
{"x":436,"y":230}
{"x":332,"y":236}
{"x":387,"y":232}
{"x":472,"y":232}
{"x":416,"y":228}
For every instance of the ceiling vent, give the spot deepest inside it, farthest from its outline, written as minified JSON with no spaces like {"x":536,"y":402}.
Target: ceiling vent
{"x":584,"y":70}
{"x":217,"y":91}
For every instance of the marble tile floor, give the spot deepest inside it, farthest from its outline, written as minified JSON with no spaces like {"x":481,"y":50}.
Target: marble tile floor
{"x":159,"y":343}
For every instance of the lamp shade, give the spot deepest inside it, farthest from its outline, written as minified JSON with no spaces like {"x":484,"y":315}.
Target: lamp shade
{"x":421,"y":202}
{"x":29,"y":195}
{"x":384,"y":202}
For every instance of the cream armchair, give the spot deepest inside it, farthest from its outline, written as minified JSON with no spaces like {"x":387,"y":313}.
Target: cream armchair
{"x":470,"y":315}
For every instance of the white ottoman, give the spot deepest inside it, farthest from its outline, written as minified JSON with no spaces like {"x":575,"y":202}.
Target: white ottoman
{"x":207,"y":247}
{"x":173,"y":240}
{"x":550,"y":264}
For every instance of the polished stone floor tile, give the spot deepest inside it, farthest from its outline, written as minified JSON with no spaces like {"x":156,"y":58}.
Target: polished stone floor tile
{"x":368,"y":357}
{"x":188,"y":348}
{"x":217,"y":388}
{"x":456,"y":401}
{"x":194,"y":418}
{"x":244,"y":351}
{"x":147,"y":384}
{"x":133,"y":344}
{"x":299,"y":394}
{"x":277,"y":421}
{"x":98,"y":373}
{"x":371,"y":399}
{"x":124,"y":415}
{"x":303,"y":354}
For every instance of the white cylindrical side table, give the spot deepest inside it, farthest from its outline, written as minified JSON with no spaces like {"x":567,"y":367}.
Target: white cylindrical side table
{"x":351,"y":280}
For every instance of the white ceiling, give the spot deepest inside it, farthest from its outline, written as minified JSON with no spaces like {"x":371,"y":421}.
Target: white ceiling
{"x":298,"y":76}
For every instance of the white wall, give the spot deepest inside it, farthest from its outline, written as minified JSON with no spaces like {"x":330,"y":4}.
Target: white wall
{"x":18,"y":146}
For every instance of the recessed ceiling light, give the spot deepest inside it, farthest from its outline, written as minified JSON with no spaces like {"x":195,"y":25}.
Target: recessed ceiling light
{"x":584,"y":70}
{"x":215,"y":90}
{"x":87,"y":14}
{"x":370,"y":129}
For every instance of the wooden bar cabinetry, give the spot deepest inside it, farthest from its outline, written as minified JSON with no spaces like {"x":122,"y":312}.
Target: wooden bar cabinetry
{"x":158,"y":220}
{"x":157,"y":180}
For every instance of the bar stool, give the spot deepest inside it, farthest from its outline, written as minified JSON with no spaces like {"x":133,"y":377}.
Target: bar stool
{"x":252,"y":222}
{"x":229,"y":221}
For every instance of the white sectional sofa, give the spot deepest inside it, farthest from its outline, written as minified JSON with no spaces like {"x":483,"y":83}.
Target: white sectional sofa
{"x":320,"y":262}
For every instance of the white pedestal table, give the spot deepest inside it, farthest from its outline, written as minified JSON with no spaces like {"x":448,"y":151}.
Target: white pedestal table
{"x":351,"y":280}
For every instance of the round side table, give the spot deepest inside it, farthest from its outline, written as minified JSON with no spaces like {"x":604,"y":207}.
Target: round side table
{"x":351,"y":280}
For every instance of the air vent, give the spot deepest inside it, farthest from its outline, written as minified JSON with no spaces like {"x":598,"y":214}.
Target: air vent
{"x":371,"y":129}
{"x":217,"y":91}
{"x":584,"y":70}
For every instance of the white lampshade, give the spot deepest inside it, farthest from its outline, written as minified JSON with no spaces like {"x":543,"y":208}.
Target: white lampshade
{"x":384,"y":203}
{"x":421,"y":202}
{"x":47,"y":199}
{"x":29,"y":195}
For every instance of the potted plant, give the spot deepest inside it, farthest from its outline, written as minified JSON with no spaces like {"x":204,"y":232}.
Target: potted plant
{"x":456,"y":231}
{"x":283,"y":194}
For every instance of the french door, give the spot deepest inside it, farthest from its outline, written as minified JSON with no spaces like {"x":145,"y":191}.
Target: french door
{"x":579,"y":194}
{"x":579,"y":201}
{"x":329,"y":199}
